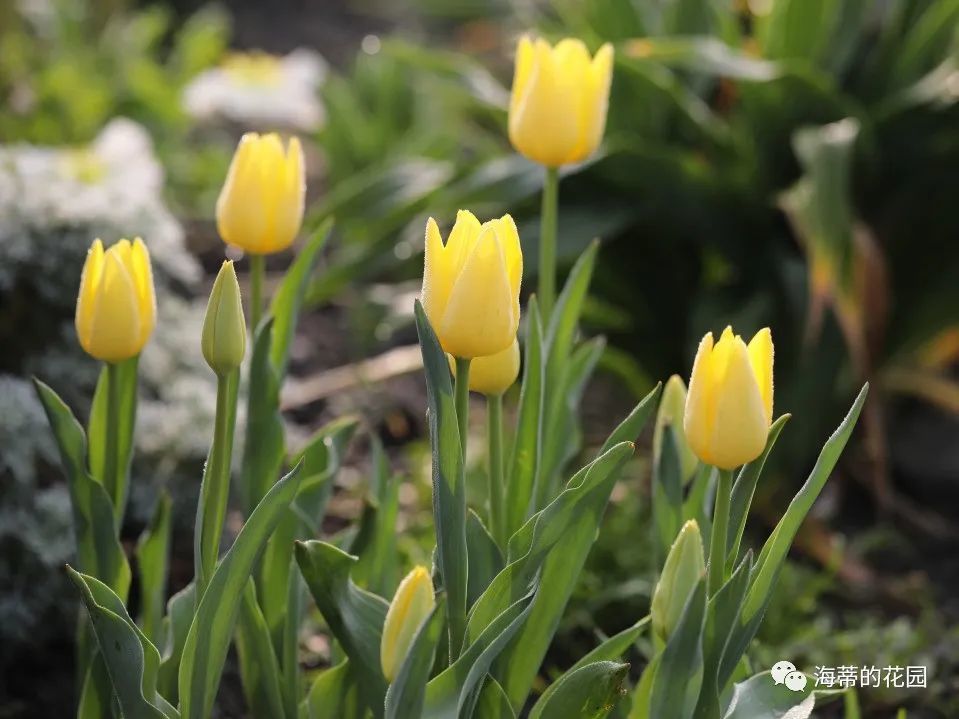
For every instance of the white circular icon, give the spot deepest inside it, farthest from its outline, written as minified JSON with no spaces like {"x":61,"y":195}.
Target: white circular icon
{"x":796,"y":681}
{"x":780,"y":670}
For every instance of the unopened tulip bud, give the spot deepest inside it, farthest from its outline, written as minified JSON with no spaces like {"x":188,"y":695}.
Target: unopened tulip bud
{"x":116,"y":307}
{"x":729,"y":406}
{"x":557,"y":110}
{"x":685,"y":566}
{"x":411,"y":604}
{"x":471,"y":285}
{"x":672,"y":407}
{"x":494,"y":374}
{"x":224,"y":328}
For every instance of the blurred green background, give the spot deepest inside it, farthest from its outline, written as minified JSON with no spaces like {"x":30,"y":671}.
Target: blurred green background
{"x":790,"y":163}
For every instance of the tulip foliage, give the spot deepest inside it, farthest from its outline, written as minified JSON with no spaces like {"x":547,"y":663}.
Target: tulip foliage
{"x":468,"y":636}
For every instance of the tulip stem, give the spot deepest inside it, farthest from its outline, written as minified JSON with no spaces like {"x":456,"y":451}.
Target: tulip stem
{"x":112,"y":481}
{"x":462,"y":394}
{"x":215,"y":488}
{"x":717,"y":542}
{"x":494,"y":426}
{"x":257,"y":272}
{"x":547,"y":243}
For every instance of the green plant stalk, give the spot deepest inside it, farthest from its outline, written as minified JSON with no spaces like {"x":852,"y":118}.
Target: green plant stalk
{"x":717,"y":542}
{"x":215,"y":488}
{"x":494,"y":427}
{"x":547,"y":243}
{"x":257,"y":273}
{"x":461,"y":398}
{"x":112,"y":481}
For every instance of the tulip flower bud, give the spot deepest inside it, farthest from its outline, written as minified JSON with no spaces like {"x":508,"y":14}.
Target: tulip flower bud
{"x":116,"y":306}
{"x":471,"y":285}
{"x":260,"y":208}
{"x":685,"y":566}
{"x":729,"y":407}
{"x":224,"y":328}
{"x":672,"y":406}
{"x":557,"y":110}
{"x":411,"y":604}
{"x":493,"y":374}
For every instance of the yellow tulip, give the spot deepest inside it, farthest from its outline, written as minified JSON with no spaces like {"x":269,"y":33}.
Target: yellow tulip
{"x":411,"y":604}
{"x":224,"y":329}
{"x":260,"y":208}
{"x":493,"y":374}
{"x":685,"y":566}
{"x":116,"y":307}
{"x":730,"y":403}
{"x":471,"y":285}
{"x":557,"y":110}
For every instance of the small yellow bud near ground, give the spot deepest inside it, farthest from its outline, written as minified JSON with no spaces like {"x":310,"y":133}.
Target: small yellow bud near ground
{"x":116,"y":306}
{"x":224,"y":327}
{"x":685,"y":565}
{"x":557,"y":110}
{"x":471,"y":285}
{"x":493,"y":374}
{"x":729,"y":406}
{"x":672,"y":407}
{"x":260,"y":208}
{"x":411,"y":604}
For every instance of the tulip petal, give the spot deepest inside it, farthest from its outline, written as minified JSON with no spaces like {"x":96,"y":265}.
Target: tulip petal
{"x":699,"y":400}
{"x":494,"y":374}
{"x":739,"y":427}
{"x":512,"y":253}
{"x":437,"y":275}
{"x":761,"y":357}
{"x":480,"y":318}
{"x":288,"y":198}
{"x":595,"y":102}
{"x":462,"y":239}
{"x":115,"y":327}
{"x":86,"y":298}
{"x":142,"y":273}
{"x":523,"y":69}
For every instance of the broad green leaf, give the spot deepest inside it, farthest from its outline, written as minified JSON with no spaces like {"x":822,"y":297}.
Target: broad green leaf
{"x":706,"y":55}
{"x":288,"y":298}
{"x":99,"y":552}
{"x":131,"y":660}
{"x":333,"y":695}
{"x":449,"y":484}
{"x":492,"y":702}
{"x":321,"y":457}
{"x":722,"y":616}
{"x":289,"y":654}
{"x":644,"y":690}
{"x":667,"y":499}
{"x":743,"y":490}
{"x":774,"y":551}
{"x":449,"y":692}
{"x":126,"y":376}
{"x":176,"y":626}
{"x":923,"y":45}
{"x":615,"y":646}
{"x":759,"y":697}
{"x":485,"y":558}
{"x":209,"y":638}
{"x":263,"y":447}
{"x":153,"y":553}
{"x":680,"y":672}
{"x":355,"y":617}
{"x":797,"y":29}
{"x":259,"y":668}
{"x":557,"y":544}
{"x":96,"y":693}
{"x":589,"y":692}
{"x":378,"y":568}
{"x":405,"y":696}
{"x":525,"y":460}
{"x":631,"y":427}
{"x":698,"y":504}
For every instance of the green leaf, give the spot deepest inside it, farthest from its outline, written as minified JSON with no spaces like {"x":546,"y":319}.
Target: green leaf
{"x":448,"y":693}
{"x":743,"y":489}
{"x":405,"y":696}
{"x":615,"y":646}
{"x":126,"y":376}
{"x":759,"y":697}
{"x":589,"y":692}
{"x":131,"y":660}
{"x":354,"y":616}
{"x":96,"y":694}
{"x":492,"y":702}
{"x":378,"y":568}
{"x":259,"y":669}
{"x":176,"y":627}
{"x":99,"y":552}
{"x":774,"y":551}
{"x":288,"y":298}
{"x":321,"y":457}
{"x":209,"y":638}
{"x":630,"y":428}
{"x":680,"y":672}
{"x":153,"y":553}
{"x":485,"y":558}
{"x":525,"y":460}
{"x":667,"y":491}
{"x":333,"y":695}
{"x":263,"y":447}
{"x":706,"y":55}
{"x":449,"y":484}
